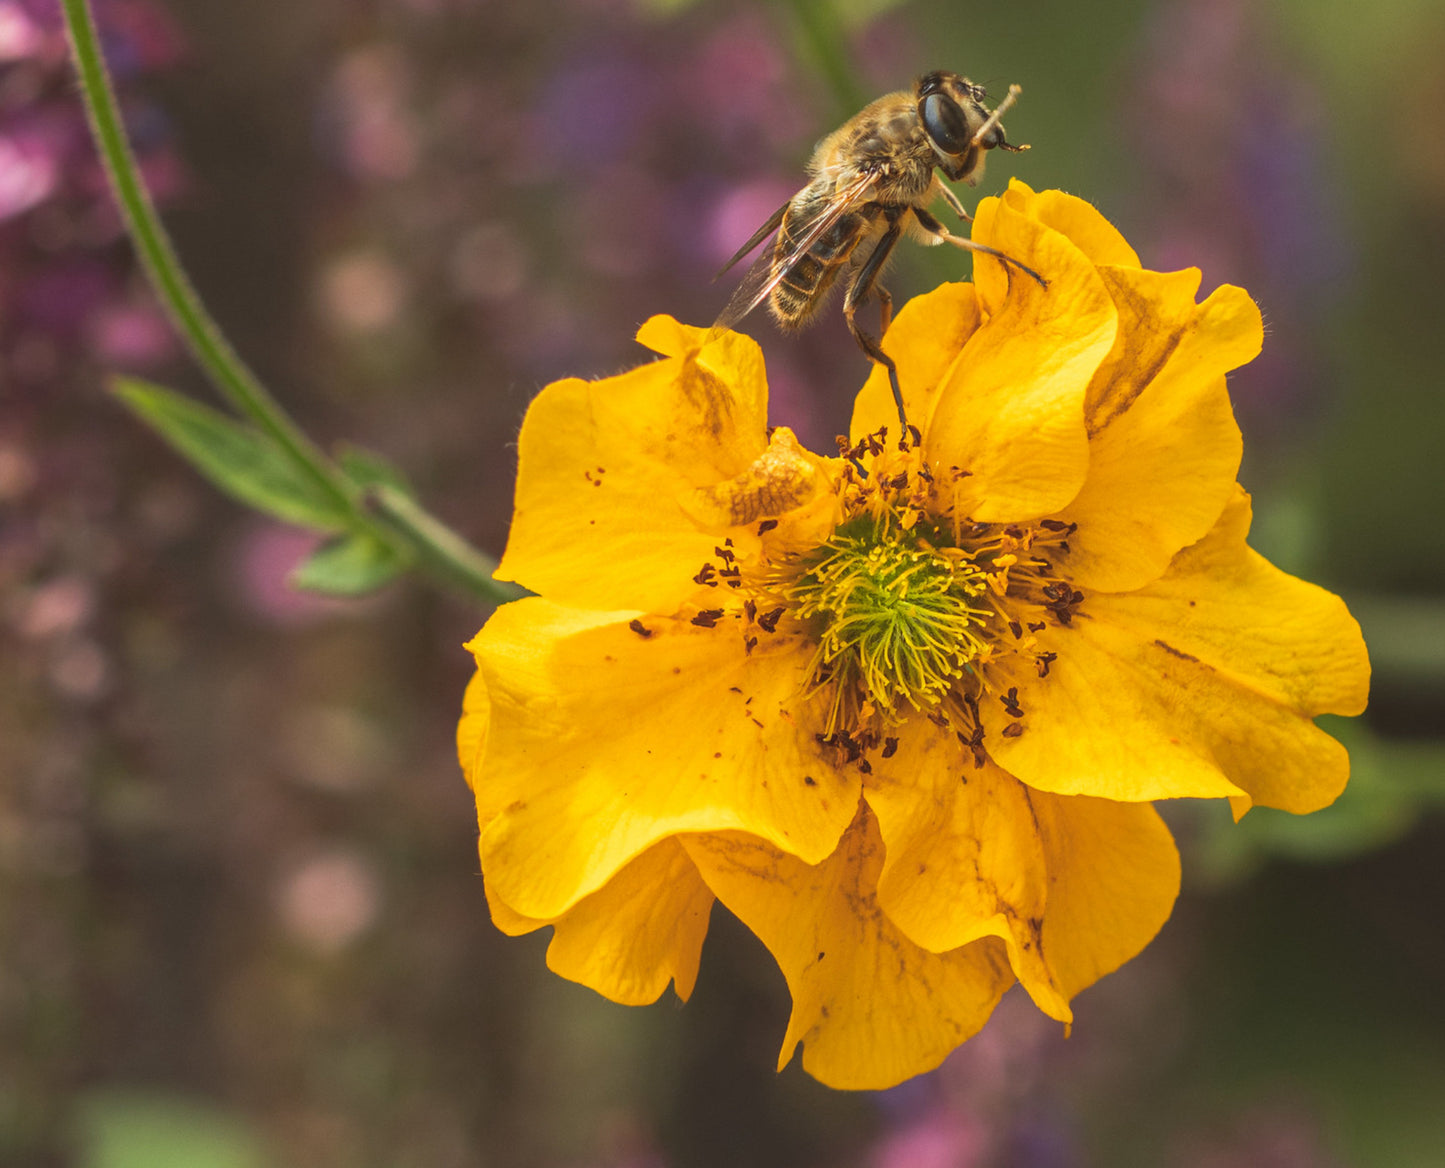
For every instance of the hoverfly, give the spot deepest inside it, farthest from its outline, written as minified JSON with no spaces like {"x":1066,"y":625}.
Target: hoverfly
{"x":873,"y":180}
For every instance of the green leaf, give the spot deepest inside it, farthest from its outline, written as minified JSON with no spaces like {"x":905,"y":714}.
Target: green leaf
{"x":366,"y":468}
{"x":349,"y":565}
{"x":238,"y":459}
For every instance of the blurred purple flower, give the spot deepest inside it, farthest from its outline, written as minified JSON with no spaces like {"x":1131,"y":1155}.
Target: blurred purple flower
{"x":136,"y":35}
{"x":1233,"y":156}
{"x":737,"y":88}
{"x":988,"y":1104}
{"x":60,"y":299}
{"x":595,"y":107}
{"x":64,"y":281}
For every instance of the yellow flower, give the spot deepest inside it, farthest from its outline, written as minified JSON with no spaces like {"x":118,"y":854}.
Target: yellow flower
{"x":902,"y":711}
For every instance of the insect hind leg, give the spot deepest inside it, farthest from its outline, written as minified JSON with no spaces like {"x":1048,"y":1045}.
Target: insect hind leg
{"x":865,"y":281}
{"x":885,"y":308}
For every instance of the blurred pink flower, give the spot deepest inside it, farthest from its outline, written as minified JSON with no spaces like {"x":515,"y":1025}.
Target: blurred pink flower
{"x":940,"y":1139}
{"x":329,"y":900}
{"x":261,"y":570}
{"x":20,"y":35}
{"x":28,"y":175}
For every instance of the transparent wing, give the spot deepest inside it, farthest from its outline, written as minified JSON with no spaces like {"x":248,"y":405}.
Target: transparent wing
{"x":758,"y":236}
{"x":768,"y":271}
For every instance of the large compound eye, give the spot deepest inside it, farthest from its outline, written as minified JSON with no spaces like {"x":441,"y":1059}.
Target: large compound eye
{"x":945,"y":122}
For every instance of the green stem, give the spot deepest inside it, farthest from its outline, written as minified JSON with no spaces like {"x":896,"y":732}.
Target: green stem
{"x":439,"y":550}
{"x":818,"y":36}
{"x":207,"y":343}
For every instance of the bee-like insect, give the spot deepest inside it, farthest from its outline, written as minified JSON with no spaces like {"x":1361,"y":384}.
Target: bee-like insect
{"x":873,"y":180}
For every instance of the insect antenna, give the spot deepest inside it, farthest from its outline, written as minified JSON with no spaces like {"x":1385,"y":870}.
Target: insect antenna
{"x":994,"y":118}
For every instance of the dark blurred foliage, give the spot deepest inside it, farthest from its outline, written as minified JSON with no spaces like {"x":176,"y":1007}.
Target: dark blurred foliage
{"x":240,"y":916}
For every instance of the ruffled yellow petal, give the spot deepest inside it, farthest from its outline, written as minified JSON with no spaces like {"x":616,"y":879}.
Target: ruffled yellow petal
{"x":605,"y":469}
{"x":1008,"y":429}
{"x":1093,"y":235}
{"x":964,"y":859}
{"x":1113,"y":879}
{"x":508,"y":919}
{"x":472,"y":729}
{"x":870,"y":1007}
{"x":1164,"y":448}
{"x":641,"y":930}
{"x":606,"y":739}
{"x":924,"y":339}
{"x":1200,"y":684}
{"x":1086,"y":228}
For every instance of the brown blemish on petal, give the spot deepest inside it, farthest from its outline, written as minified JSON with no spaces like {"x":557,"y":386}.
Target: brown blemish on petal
{"x":1173,"y":652}
{"x":1136,"y":359}
{"x":707,"y":395}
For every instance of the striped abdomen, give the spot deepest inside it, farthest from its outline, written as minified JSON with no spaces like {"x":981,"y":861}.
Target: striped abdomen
{"x":808,"y":279}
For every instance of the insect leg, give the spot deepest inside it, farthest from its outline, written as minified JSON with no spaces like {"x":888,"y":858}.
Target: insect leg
{"x":952,"y":200}
{"x":943,"y":234}
{"x":864,"y":281}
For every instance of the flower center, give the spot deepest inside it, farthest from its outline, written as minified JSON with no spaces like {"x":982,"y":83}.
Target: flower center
{"x":895,"y":618}
{"x":906,"y":605}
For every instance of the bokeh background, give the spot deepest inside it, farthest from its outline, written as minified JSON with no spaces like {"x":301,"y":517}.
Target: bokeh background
{"x":241,"y":923}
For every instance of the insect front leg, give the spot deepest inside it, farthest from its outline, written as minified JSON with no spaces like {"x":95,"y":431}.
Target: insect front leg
{"x":952,"y":200}
{"x":864,"y":281}
{"x":944,"y":235}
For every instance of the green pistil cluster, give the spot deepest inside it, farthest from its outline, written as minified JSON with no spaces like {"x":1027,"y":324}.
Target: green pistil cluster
{"x":895,"y":616}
